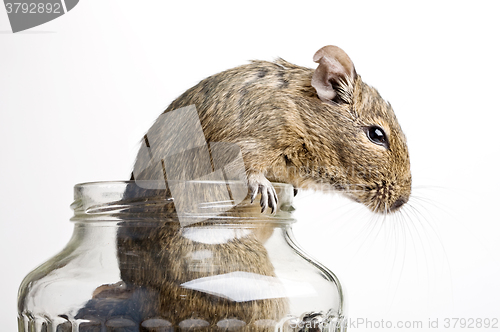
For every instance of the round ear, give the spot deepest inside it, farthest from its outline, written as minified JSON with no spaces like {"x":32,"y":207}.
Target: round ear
{"x":335,"y":70}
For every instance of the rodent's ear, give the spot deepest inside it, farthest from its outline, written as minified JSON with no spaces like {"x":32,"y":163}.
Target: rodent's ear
{"x":335,"y":70}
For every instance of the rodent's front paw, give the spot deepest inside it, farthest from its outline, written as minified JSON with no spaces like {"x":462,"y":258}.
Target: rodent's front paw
{"x":268,"y":198}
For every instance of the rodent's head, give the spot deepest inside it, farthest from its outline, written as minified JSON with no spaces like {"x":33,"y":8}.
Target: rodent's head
{"x":369,"y":148}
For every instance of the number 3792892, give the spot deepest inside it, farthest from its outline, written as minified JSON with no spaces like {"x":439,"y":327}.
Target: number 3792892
{"x":33,"y":8}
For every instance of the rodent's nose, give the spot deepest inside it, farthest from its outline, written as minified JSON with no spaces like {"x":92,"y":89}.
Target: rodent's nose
{"x":399,"y":202}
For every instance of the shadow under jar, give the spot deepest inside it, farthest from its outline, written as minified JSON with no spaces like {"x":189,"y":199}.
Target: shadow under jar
{"x":140,"y":260}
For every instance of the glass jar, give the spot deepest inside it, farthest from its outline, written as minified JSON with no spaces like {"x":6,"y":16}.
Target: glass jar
{"x":131,"y":265}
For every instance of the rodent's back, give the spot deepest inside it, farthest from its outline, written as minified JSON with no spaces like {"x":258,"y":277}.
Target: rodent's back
{"x":246,"y":102}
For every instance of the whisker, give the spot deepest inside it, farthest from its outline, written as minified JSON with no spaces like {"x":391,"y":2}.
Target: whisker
{"x":425,"y":223}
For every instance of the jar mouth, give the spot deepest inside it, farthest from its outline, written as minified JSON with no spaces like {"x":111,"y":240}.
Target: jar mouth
{"x":186,"y":202}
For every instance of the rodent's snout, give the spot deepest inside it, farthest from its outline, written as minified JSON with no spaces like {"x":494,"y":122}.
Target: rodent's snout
{"x":398,"y":203}
{"x":387,"y":197}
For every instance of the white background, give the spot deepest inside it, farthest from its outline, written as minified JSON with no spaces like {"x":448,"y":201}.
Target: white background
{"x":78,"y":93}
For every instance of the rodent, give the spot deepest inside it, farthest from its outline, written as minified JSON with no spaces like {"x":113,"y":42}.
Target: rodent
{"x":326,"y":122}
{"x":322,"y":128}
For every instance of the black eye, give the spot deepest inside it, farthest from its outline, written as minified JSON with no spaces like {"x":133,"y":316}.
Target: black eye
{"x":377,"y":136}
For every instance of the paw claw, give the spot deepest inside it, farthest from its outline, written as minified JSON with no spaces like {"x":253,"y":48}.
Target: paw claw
{"x":255,"y":191}
{"x":263,"y":198}
{"x":273,"y":200}
{"x":268,"y":197}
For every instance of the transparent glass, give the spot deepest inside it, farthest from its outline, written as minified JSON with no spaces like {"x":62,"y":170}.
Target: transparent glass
{"x":131,"y":266}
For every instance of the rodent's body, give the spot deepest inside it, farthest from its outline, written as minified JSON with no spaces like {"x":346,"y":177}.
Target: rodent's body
{"x":289,"y":130}
{"x":321,"y":129}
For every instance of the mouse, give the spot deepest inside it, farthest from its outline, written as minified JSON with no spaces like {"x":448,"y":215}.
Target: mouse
{"x":322,"y":129}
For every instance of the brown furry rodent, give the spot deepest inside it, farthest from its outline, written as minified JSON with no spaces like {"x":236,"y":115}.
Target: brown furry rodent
{"x":322,"y":128}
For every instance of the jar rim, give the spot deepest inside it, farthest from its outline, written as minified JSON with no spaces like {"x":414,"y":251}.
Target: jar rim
{"x":187,"y":202}
{"x":126,"y":182}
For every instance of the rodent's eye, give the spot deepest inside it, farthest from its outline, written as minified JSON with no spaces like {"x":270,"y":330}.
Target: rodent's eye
{"x":377,"y":136}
